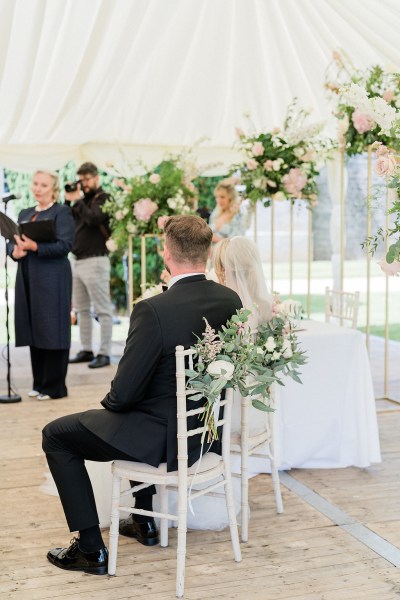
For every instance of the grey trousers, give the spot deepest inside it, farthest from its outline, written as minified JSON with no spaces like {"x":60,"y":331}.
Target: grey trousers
{"x":91,"y":288}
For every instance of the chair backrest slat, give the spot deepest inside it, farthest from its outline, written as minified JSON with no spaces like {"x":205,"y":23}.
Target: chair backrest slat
{"x":342,"y":306}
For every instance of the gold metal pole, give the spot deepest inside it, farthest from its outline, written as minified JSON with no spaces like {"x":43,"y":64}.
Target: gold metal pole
{"x":386,"y":373}
{"x":291,"y":250}
{"x":309,"y":263}
{"x":342,"y":228}
{"x":369,"y":181}
{"x":130,"y":274}
{"x":272,"y":242}
{"x":143,"y":264}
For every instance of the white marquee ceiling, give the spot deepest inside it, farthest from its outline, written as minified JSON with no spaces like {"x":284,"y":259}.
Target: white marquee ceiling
{"x":82,"y":78}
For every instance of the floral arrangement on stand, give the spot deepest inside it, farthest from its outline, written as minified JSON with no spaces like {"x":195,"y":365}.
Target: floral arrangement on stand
{"x":284,"y":163}
{"x":142,"y":203}
{"x":243,"y":359}
{"x":388,"y":166}
{"x":366,"y":103}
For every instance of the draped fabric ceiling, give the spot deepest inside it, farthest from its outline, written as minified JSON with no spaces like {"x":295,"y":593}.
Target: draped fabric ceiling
{"x":91,"y":79}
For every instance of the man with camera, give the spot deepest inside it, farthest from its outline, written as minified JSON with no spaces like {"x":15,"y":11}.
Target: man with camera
{"x":91,"y":269}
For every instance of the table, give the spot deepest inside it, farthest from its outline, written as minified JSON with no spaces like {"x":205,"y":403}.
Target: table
{"x":330,"y":420}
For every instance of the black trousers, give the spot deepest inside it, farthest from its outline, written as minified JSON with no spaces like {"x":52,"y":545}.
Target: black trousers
{"x":49,"y":369}
{"x":67,"y":444}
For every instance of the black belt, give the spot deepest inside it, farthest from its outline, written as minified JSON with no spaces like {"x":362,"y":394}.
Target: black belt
{"x":91,"y":255}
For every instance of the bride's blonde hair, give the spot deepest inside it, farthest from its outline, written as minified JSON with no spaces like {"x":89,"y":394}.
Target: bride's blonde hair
{"x":238,"y":265}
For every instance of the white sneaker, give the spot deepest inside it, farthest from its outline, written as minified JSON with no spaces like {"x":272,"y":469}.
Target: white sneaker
{"x":43,"y":397}
{"x":33,"y":394}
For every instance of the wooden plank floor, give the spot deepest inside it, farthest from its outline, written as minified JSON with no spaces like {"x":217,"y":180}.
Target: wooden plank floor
{"x":300,"y":554}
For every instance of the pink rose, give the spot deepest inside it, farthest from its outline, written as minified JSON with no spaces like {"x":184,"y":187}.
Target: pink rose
{"x":154,"y":178}
{"x":119,"y":215}
{"x":380,"y":149}
{"x":388,"y":95}
{"x":268,"y":165}
{"x":161,"y":221}
{"x":252,"y":164}
{"x":294,"y":181}
{"x":144,"y":208}
{"x":362,"y":122}
{"x":257,"y":149}
{"x":390,"y":269}
{"x":385,"y":165}
{"x":239,"y":132}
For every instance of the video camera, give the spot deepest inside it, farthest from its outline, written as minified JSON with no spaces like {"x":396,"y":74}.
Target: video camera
{"x":72,"y":187}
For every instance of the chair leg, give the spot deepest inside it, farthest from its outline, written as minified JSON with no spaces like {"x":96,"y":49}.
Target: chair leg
{"x":114,"y":525}
{"x":230,"y":507}
{"x":244,"y":470}
{"x":181,"y":548}
{"x":164,"y":522}
{"x":274,"y":469}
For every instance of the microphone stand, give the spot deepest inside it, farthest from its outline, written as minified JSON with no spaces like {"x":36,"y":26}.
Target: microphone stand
{"x":9,"y":397}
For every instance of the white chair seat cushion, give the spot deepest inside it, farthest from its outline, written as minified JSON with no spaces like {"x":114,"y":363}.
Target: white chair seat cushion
{"x":125,"y":468}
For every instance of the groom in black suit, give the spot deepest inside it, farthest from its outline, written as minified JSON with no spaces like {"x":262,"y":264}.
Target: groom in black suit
{"x":138,"y":421}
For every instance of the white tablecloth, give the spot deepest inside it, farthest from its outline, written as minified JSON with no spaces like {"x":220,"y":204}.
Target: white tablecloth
{"x":330,"y":420}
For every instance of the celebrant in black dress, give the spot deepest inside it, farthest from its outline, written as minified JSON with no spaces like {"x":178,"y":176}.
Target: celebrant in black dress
{"x":43,"y":290}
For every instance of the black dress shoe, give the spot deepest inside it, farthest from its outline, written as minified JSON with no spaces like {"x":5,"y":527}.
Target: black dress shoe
{"x":74,"y":559}
{"x":145,"y":533}
{"x":101,"y":360}
{"x":82,"y":356}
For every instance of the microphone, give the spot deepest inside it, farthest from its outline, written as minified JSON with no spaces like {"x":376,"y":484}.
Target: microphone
{"x":8,"y":197}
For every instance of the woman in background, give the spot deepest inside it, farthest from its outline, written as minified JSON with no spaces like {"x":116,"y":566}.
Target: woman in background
{"x":226,"y":220}
{"x":43,"y":290}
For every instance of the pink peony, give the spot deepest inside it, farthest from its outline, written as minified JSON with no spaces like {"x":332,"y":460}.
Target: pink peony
{"x":154,"y":178}
{"x":268,"y":165}
{"x":388,"y":95}
{"x":390,"y":269}
{"x":362,"y":122}
{"x":161,"y":221}
{"x":144,"y":208}
{"x":257,"y":149}
{"x":385,"y":165}
{"x":252,"y":164}
{"x":294,"y":181}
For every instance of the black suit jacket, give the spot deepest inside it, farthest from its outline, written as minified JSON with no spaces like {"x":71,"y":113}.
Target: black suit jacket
{"x":140,"y":415}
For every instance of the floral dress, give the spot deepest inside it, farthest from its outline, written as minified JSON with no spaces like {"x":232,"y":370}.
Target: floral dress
{"x":237,"y":225}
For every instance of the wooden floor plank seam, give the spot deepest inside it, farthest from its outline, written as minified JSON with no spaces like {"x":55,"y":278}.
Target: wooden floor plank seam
{"x":349,"y":524}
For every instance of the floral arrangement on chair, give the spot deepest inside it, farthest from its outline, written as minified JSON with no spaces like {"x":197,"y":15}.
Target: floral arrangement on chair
{"x":366,"y":103}
{"x":245,"y":360}
{"x":283,"y":164}
{"x":142,"y":203}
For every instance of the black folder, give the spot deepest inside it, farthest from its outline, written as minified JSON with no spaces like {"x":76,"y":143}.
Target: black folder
{"x":39,"y":231}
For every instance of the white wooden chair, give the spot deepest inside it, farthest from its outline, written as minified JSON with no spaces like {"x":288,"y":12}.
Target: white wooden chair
{"x":260,"y":445}
{"x":342,"y":306}
{"x":210,"y":467}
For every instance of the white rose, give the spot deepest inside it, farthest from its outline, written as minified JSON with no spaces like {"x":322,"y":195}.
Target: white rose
{"x":260,"y":350}
{"x":171,"y":203}
{"x":276,"y":164}
{"x":276,"y":355}
{"x":279,"y":196}
{"x":270,"y":344}
{"x":287,"y":349}
{"x":216,"y":367}
{"x":111,"y":245}
{"x":131,"y":228}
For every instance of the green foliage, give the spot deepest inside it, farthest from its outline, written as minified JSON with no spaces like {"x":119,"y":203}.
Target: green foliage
{"x":245,"y":360}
